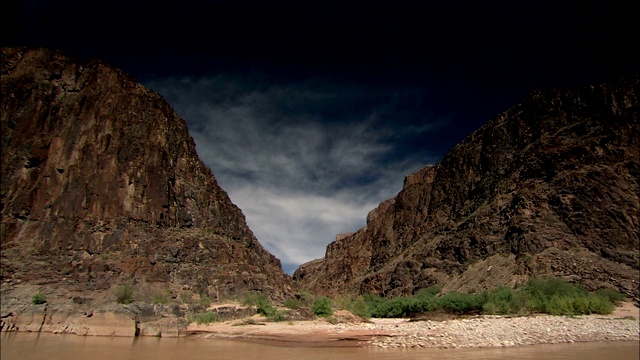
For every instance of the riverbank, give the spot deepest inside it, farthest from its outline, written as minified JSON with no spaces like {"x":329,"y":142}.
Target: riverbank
{"x":470,"y":332}
{"x":343,"y":329}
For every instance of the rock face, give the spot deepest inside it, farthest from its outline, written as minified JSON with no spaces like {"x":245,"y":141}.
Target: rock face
{"x":549,"y":187}
{"x":101,"y":184}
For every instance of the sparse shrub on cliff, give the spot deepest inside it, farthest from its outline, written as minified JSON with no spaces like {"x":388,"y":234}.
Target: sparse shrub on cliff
{"x":322,"y":307}
{"x":160,"y":298}
{"x":253,"y":299}
{"x":186,"y":297}
{"x":205,"y":301}
{"x":124,"y":294}
{"x":38,"y":299}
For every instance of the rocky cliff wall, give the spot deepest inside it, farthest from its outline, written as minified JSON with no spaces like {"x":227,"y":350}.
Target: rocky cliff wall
{"x":549,"y":187}
{"x":101,"y":184}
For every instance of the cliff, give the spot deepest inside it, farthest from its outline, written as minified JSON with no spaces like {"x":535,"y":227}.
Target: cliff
{"x":549,"y":187}
{"x":101,"y":186}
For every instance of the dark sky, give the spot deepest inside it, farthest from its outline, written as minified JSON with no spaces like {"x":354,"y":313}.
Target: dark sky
{"x":311,"y":112}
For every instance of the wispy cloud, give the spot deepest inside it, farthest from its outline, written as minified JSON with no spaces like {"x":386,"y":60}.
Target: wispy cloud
{"x":304,"y":161}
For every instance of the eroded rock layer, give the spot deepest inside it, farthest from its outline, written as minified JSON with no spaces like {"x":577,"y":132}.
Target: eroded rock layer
{"x":101,"y":183}
{"x":549,"y":187}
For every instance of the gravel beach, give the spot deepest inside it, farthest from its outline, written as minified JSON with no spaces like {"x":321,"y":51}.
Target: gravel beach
{"x":469,"y":332}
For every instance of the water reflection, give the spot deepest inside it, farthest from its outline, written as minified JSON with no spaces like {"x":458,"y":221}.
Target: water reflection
{"x":26,"y":346}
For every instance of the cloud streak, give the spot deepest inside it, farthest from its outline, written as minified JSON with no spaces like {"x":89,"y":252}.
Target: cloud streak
{"x":304,"y":161}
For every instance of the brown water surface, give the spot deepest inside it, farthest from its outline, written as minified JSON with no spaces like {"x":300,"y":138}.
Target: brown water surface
{"x":26,"y":346}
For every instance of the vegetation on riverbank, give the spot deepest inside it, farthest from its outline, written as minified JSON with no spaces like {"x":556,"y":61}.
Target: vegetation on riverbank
{"x":549,"y":296}
{"x":552,"y":296}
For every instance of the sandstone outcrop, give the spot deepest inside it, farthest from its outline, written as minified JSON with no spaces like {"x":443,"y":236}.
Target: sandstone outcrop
{"x":102,"y":185}
{"x":549,"y":187}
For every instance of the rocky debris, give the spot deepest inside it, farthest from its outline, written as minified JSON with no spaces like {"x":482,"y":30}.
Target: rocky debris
{"x":102,"y":185}
{"x":496,"y":331}
{"x":549,"y":187}
{"x":230,"y":312}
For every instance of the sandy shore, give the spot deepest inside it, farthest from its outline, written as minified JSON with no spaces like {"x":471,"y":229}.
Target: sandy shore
{"x":477,"y":331}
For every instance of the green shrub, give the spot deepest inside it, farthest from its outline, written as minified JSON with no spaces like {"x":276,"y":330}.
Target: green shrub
{"x":186,"y":297}
{"x":358,"y":307}
{"x":390,"y":308}
{"x":266,"y":309}
{"x":253,"y":299}
{"x":276,"y":315}
{"x":501,"y":301}
{"x":205,"y":301}
{"x":559,"y":305}
{"x":293,"y":303}
{"x":548,"y":287}
{"x":124,"y":294}
{"x":550,"y":295}
{"x":160,"y":298}
{"x":206,"y":317}
{"x":592,"y":304}
{"x":460,"y":303}
{"x":306,"y":297}
{"x":431,"y":291}
{"x":400,"y":306}
{"x":373,"y":302}
{"x":557,"y":297}
{"x":322,"y":307}
{"x":263,"y":306}
{"x":38,"y":299}
{"x":611,"y":295}
{"x":489,"y":308}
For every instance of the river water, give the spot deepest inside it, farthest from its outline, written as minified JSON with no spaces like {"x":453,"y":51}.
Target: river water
{"x":26,"y":346}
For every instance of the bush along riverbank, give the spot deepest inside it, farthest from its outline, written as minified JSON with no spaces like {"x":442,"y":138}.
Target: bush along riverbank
{"x":551,"y":296}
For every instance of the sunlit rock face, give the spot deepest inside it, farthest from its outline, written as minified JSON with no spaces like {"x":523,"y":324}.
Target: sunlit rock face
{"x":101,"y":183}
{"x":549,"y":187}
